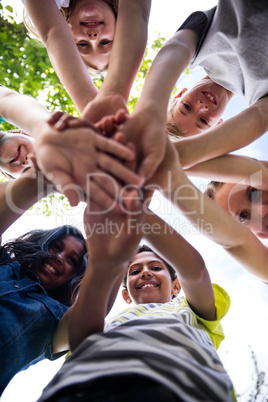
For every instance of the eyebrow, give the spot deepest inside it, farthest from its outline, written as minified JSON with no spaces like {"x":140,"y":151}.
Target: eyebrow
{"x":138,"y":264}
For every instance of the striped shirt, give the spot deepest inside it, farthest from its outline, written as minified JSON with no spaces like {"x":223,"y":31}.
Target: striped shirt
{"x":167,"y":342}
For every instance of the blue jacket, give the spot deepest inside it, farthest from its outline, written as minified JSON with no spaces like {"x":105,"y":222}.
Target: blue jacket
{"x":28,"y":319}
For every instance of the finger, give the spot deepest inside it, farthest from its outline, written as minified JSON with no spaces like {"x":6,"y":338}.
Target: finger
{"x":55,"y":117}
{"x":118,"y":170}
{"x":107,"y":126}
{"x":149,"y":166}
{"x":66,"y":185}
{"x":132,"y":202}
{"x":77,"y":123}
{"x":121,"y":116}
{"x":102,"y":198}
{"x":114,"y":148}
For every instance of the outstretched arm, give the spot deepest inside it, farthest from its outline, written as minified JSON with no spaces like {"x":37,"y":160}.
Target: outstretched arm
{"x":234,"y":237}
{"x":63,"y":53}
{"x":146,"y":125}
{"x":128,"y":49}
{"x":233,"y":134}
{"x":22,"y":111}
{"x":186,"y":260}
{"x":109,"y":254}
{"x":17,"y":196}
{"x":233,"y":169}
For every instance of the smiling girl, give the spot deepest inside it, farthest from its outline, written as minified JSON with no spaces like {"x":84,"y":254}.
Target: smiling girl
{"x":14,"y":150}
{"x":41,"y":273}
{"x":93,"y":34}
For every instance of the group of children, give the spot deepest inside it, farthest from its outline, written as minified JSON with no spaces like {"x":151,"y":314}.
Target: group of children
{"x":162,"y":347}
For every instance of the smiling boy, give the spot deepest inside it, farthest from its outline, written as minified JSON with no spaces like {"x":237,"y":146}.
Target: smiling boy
{"x":161,"y":347}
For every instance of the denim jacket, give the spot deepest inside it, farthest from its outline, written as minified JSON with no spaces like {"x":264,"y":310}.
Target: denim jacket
{"x":28,"y":319}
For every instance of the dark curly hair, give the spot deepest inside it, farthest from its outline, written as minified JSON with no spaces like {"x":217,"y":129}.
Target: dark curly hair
{"x":142,"y":249}
{"x":35,"y":245}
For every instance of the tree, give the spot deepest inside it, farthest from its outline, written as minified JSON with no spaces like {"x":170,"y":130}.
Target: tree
{"x":26,"y":68}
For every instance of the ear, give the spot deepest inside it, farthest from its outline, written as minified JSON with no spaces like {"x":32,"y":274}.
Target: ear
{"x":181,"y":93}
{"x":176,"y":288}
{"x":219,"y":122}
{"x":126,"y":296}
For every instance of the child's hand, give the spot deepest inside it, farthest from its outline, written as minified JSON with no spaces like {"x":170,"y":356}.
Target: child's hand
{"x":113,"y":238}
{"x":61,"y":120}
{"x":147,"y":133}
{"x":103,"y":105}
{"x":170,"y":165}
{"x":80,"y":161}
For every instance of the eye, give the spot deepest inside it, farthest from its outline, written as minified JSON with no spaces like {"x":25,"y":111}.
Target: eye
{"x":72,"y":261}
{"x":187,"y":107}
{"x":55,"y":247}
{"x":156,"y":268}
{"x":244,"y":215}
{"x":105,"y":42}
{"x":253,"y":194}
{"x":82,"y":44}
{"x":204,"y":121}
{"x":135,"y":272}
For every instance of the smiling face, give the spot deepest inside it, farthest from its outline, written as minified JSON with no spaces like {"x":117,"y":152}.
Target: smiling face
{"x":149,"y":280}
{"x":200,"y":107}
{"x":14,"y":150}
{"x":93,"y":23}
{"x":54,"y":273}
{"x":247,"y":205}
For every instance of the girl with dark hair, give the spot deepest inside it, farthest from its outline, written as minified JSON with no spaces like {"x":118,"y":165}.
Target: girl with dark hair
{"x":40,"y":276}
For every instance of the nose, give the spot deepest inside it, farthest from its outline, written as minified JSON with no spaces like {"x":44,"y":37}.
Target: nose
{"x":25,"y":161}
{"x":201,"y":106}
{"x":93,"y":35}
{"x":146,"y":273}
{"x":60,"y":257}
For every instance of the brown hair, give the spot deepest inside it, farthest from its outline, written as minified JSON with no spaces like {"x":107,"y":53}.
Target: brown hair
{"x":142,"y":249}
{"x":212,"y":189}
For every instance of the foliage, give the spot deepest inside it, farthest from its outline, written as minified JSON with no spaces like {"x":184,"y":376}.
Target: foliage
{"x":26,"y":68}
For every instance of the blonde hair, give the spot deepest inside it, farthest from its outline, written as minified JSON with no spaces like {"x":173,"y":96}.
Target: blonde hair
{"x":212,"y":189}
{"x":66,"y":12}
{"x":172,"y":129}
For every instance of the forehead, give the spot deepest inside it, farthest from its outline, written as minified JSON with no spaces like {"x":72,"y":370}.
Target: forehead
{"x":145,"y":257}
{"x":73,"y":242}
{"x":232,"y":196}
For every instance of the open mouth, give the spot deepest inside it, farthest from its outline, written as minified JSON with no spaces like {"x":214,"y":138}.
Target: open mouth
{"x":16,"y":156}
{"x":210,"y":97}
{"x":91,"y":23}
{"x":147,"y":285}
{"x":49,"y":268}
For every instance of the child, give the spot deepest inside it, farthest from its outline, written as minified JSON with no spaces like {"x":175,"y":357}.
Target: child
{"x":243,"y":192}
{"x":223,"y":41}
{"x":40,"y":276}
{"x":235,"y":238}
{"x":15,"y":146}
{"x":65,"y":155}
{"x":93,"y":33}
{"x":161,"y":348}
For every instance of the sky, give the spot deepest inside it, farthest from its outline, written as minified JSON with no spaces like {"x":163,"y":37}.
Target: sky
{"x":245,"y":326}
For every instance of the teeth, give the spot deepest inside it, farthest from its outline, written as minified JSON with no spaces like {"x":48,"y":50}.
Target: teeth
{"x":50,"y":268}
{"x":210,"y":97}
{"x":91,"y":23}
{"x":147,"y":285}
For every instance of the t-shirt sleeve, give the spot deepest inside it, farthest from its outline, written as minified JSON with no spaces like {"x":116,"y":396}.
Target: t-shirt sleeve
{"x":199,"y":22}
{"x":214,"y":328}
